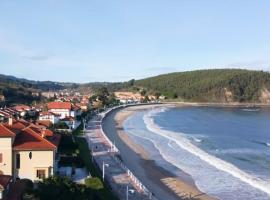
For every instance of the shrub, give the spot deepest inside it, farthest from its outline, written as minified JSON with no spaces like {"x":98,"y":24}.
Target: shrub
{"x":93,"y":183}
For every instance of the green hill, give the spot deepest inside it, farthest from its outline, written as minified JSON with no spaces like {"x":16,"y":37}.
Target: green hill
{"x":217,"y":85}
{"x":17,"y":90}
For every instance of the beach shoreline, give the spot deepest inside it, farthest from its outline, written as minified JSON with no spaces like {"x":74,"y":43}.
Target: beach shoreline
{"x":163,"y":183}
{"x":216,"y":104}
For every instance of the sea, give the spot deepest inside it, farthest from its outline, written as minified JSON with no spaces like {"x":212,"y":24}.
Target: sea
{"x":226,"y":151}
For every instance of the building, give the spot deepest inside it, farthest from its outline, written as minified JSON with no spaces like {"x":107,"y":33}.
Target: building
{"x":64,"y":109}
{"x":5,"y":113}
{"x":49,"y":116}
{"x":61,"y":108}
{"x":76,"y":111}
{"x":128,"y":97}
{"x":22,"y":109}
{"x":5,"y":182}
{"x":27,"y":150}
{"x":70,"y":122}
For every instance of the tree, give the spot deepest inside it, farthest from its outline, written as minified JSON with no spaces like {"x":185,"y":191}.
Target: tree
{"x":62,"y":188}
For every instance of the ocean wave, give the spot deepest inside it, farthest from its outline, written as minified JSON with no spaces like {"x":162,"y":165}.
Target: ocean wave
{"x":262,"y":143}
{"x":197,"y":139}
{"x":218,"y":163}
{"x":250,"y":109}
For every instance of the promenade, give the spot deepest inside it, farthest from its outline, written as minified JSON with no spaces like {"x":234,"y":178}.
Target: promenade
{"x":120,"y":179}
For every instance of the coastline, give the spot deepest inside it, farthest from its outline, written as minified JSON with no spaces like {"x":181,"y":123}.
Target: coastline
{"x":164,"y":184}
{"x":216,"y":104}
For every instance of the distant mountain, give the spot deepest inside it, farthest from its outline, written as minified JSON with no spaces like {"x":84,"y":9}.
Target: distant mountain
{"x":39,"y":85}
{"x":18,"y":90}
{"x":215,"y":85}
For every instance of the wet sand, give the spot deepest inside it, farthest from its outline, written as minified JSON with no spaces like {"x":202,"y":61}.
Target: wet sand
{"x":164,"y":184}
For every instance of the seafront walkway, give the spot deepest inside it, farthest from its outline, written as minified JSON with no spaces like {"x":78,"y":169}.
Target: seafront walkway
{"x":124,"y":184}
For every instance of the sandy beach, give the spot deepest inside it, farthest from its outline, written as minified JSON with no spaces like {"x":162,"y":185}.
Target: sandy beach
{"x":164,"y":184}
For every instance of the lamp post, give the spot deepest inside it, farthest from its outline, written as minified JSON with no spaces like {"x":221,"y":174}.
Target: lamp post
{"x":103,"y":169}
{"x":127,"y":192}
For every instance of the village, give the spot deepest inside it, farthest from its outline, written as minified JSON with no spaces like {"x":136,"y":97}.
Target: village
{"x":42,"y":140}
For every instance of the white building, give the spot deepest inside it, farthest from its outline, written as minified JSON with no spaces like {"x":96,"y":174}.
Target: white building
{"x":49,"y":116}
{"x":61,"y":108}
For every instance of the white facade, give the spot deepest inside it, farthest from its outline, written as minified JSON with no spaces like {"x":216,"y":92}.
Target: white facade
{"x":6,"y":151}
{"x":49,"y":117}
{"x":62,"y":112}
{"x":29,"y":166}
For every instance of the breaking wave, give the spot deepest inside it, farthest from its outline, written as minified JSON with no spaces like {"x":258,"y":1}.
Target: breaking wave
{"x":186,"y":144}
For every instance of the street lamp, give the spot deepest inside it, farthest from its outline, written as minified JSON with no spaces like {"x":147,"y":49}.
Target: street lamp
{"x":129,"y":190}
{"x":103,"y":169}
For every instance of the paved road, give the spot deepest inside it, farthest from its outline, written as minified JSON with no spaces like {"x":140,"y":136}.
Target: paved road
{"x":115,"y":174}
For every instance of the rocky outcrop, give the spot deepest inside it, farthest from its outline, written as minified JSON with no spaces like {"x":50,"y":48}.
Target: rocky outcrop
{"x":264,"y":96}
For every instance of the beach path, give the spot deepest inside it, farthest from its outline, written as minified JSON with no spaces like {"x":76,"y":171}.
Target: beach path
{"x":115,"y":173}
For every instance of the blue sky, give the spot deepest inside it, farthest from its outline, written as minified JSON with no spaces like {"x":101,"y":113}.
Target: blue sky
{"x":117,"y":40}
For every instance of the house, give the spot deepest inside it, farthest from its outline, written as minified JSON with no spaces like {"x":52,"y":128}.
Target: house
{"x":61,"y":108}
{"x":5,"y":182}
{"x":70,"y":122}
{"x":64,"y":109}
{"x":5,"y":113}
{"x":27,"y":150}
{"x":49,"y":116}
{"x":22,"y":109}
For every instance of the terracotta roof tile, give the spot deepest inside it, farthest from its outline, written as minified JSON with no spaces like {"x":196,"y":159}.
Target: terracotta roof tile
{"x":46,"y":123}
{"x":59,"y":105}
{"x":6,"y":132}
{"x":28,"y":139}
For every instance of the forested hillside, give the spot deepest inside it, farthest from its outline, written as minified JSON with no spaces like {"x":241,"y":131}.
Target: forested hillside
{"x":18,"y":90}
{"x":217,"y":85}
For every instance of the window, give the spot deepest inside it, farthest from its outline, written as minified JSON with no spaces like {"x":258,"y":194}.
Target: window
{"x":41,"y":173}
{"x":30,"y":155}
{"x":18,"y":161}
{"x":1,"y":157}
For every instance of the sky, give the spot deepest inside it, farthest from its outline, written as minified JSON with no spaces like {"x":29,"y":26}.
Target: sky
{"x":118,"y":40}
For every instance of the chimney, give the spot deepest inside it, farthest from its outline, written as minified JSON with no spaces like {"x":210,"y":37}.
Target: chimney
{"x":43,"y":133}
{"x":10,"y":121}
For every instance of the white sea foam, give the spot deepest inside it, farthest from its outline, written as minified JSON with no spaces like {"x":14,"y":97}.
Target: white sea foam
{"x":197,"y":140}
{"x":250,"y":109}
{"x":218,"y":163}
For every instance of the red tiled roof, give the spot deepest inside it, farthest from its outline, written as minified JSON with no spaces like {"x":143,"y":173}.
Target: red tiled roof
{"x":4,"y":181}
{"x":5,"y":132}
{"x":46,"y":123}
{"x":47,"y":132}
{"x":28,"y":139}
{"x":59,"y":105}
{"x":16,"y":125}
{"x":48,"y":113}
{"x":22,"y":107}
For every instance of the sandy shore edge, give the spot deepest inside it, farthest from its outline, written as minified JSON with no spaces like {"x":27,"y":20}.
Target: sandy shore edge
{"x":178,"y":185}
